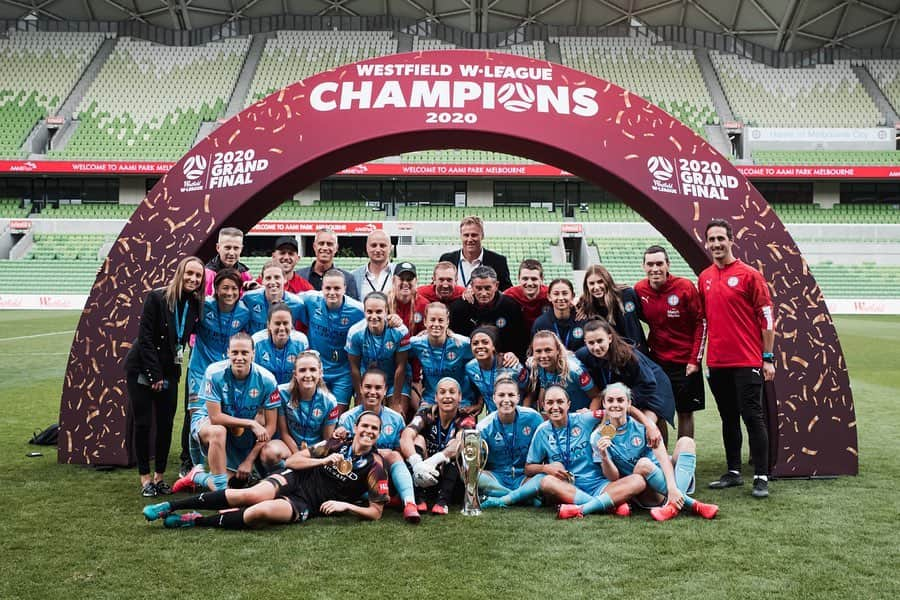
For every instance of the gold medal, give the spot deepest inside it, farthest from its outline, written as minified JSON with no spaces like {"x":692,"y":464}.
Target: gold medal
{"x":344,"y":466}
{"x":303,"y":445}
{"x":608,"y":430}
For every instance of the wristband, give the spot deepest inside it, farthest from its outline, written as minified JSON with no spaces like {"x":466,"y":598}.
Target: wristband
{"x":768,"y":357}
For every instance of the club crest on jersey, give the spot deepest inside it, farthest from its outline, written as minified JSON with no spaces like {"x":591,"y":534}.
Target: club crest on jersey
{"x":388,"y":429}
{"x":577,"y":333}
{"x":501,"y":322}
{"x":235,"y":324}
{"x":389,"y":345}
{"x":451,"y":355}
{"x":345,"y":320}
{"x":673,"y":300}
{"x":254,"y":393}
{"x":732,"y":281}
{"x":636,"y":441}
{"x":576,"y":431}
{"x":291,"y":358}
{"x":526,"y":430}
{"x":629,"y":306}
{"x":584,"y":378}
{"x":317,"y":412}
{"x":417,"y":317}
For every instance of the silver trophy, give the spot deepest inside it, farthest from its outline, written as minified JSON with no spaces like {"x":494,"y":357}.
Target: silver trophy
{"x":471,"y":460}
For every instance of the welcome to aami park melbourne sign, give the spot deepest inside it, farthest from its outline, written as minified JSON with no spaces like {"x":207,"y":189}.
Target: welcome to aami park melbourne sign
{"x":461,"y":99}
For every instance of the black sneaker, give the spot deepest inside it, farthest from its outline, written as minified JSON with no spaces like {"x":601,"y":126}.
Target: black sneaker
{"x":185,"y":468}
{"x":760,"y":488}
{"x":162,"y":488}
{"x":727,"y":480}
{"x":149,"y":490}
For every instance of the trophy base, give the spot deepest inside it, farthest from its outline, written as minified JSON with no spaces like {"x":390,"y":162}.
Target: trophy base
{"x":470,"y":512}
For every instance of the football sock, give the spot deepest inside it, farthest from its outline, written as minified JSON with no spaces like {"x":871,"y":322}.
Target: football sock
{"x":489,"y":486}
{"x":581,"y":498}
{"x":233,"y":519}
{"x":602,"y":503}
{"x":403,"y":482}
{"x":201,"y":479}
{"x":220,"y":481}
{"x":684,"y":470}
{"x":207,"y":500}
{"x":526,"y":491}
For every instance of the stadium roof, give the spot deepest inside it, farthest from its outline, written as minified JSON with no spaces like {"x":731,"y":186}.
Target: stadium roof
{"x":779,"y":24}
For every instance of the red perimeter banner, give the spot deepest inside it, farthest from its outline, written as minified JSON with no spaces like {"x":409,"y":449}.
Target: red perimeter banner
{"x":283,"y":227}
{"x":443,"y":170}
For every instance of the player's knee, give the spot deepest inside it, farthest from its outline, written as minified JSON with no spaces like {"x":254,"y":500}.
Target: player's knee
{"x":636,"y":484}
{"x":643,"y":467}
{"x":392,"y":456}
{"x":270,"y":454}
{"x":216,"y":435}
{"x":685,"y":444}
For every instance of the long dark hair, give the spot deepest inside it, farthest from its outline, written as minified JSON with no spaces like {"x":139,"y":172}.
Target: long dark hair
{"x":620,"y":353}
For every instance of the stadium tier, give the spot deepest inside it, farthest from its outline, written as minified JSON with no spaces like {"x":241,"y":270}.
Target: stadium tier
{"x":826,"y":94}
{"x":149,"y":101}
{"x":667,"y":77}
{"x":886,"y":74}
{"x":337,"y":210}
{"x":68,"y":247}
{"x":88,"y":211}
{"x":826,"y":157}
{"x":462,"y":156}
{"x":422,"y":44}
{"x":623,"y":257}
{"x":11,"y":208}
{"x":608,"y":212}
{"x":489,"y":213}
{"x":37,"y":72}
{"x":840,"y":213}
{"x":290,"y":56}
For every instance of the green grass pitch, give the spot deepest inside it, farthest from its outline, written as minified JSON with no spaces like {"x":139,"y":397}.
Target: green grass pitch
{"x":72,"y":532}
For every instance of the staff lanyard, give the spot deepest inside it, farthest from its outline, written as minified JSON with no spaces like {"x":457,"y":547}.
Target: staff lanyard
{"x":510,"y":447}
{"x":559,"y":335}
{"x":383,"y":283}
{"x":462,"y":273}
{"x":493,"y":372}
{"x":181,"y":321}
{"x":238,"y":401}
{"x":443,"y":439}
{"x":443,"y":354}
{"x":376,"y":348}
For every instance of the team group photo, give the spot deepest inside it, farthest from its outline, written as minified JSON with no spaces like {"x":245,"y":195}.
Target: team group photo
{"x":454,"y":299}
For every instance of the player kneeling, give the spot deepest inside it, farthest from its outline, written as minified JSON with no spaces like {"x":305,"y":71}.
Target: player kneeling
{"x":329,"y":478}
{"x":620,"y":449}
{"x":373,"y":390}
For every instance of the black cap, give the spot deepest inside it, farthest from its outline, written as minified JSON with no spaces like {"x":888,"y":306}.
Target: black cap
{"x":405,"y":267}
{"x":287,"y":240}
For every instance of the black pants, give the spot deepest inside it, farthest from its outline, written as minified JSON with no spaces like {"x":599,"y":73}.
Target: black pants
{"x":738,"y":393}
{"x":144,"y":404}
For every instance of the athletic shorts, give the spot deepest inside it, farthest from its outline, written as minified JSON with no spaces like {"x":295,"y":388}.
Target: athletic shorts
{"x":291,"y":492}
{"x":342,"y":388}
{"x":690,"y":395}
{"x":507,"y":480}
{"x":597,"y":489}
{"x":404,"y":392}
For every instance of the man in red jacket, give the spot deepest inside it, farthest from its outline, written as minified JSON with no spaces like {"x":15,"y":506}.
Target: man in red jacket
{"x":531,"y":293}
{"x":443,"y":286}
{"x":671,"y":308}
{"x":740,"y":319}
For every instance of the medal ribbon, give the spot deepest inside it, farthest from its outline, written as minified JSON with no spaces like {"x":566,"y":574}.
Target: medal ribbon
{"x":566,"y":456}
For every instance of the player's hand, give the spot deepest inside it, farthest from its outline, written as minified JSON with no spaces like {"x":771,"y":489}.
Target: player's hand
{"x":244,"y":470}
{"x":509,"y":360}
{"x":557,"y":470}
{"x":676,"y":497}
{"x":157,"y":386}
{"x":654,"y":435}
{"x":580,"y":314}
{"x":262,"y":435}
{"x":452,"y":448}
{"x":469,"y":295}
{"x":250,"y":285}
{"x":691,"y":369}
{"x":333,"y":507}
{"x":425,"y":475}
{"x":339,"y":433}
{"x":603,"y":444}
{"x":332,"y":459}
{"x":394,"y":320}
{"x":768,"y":371}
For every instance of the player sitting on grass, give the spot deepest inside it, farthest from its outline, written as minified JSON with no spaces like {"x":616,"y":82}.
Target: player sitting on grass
{"x":236,"y":418}
{"x":330,"y":478}
{"x":371,"y":397}
{"x":621,"y":450}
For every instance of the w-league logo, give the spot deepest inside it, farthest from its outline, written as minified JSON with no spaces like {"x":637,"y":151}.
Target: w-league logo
{"x":523,"y":100}
{"x":660,"y":167}
{"x":194,"y":167}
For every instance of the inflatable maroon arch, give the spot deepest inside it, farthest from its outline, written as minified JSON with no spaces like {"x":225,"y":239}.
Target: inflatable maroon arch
{"x":461,"y":99}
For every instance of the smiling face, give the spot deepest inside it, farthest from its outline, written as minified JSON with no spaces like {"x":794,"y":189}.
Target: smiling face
{"x":240,"y":352}
{"x":444,"y":282}
{"x":366,"y":433}
{"x":376,"y":313}
{"x":227,"y":293}
{"x":616,"y":403}
{"x":556,"y":405}
{"x":560,"y":297}
{"x":325,"y":247}
{"x":484,"y":289}
{"x":545,"y":352}
{"x":482,"y":347}
{"x":656,"y":266}
{"x":273,"y":282}
{"x":531,"y":281}
{"x":506,"y":397}
{"x":436,"y":323}
{"x":286,"y":256}
{"x":307,"y":372}
{"x":280,"y":327}
{"x":405,"y":287}
{"x":373,"y":389}
{"x":193,"y":275}
{"x":471,"y":236}
{"x":596,"y":286}
{"x":719,"y":245}
{"x":447,"y":397}
{"x":597,"y":342}
{"x":229,"y":248}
